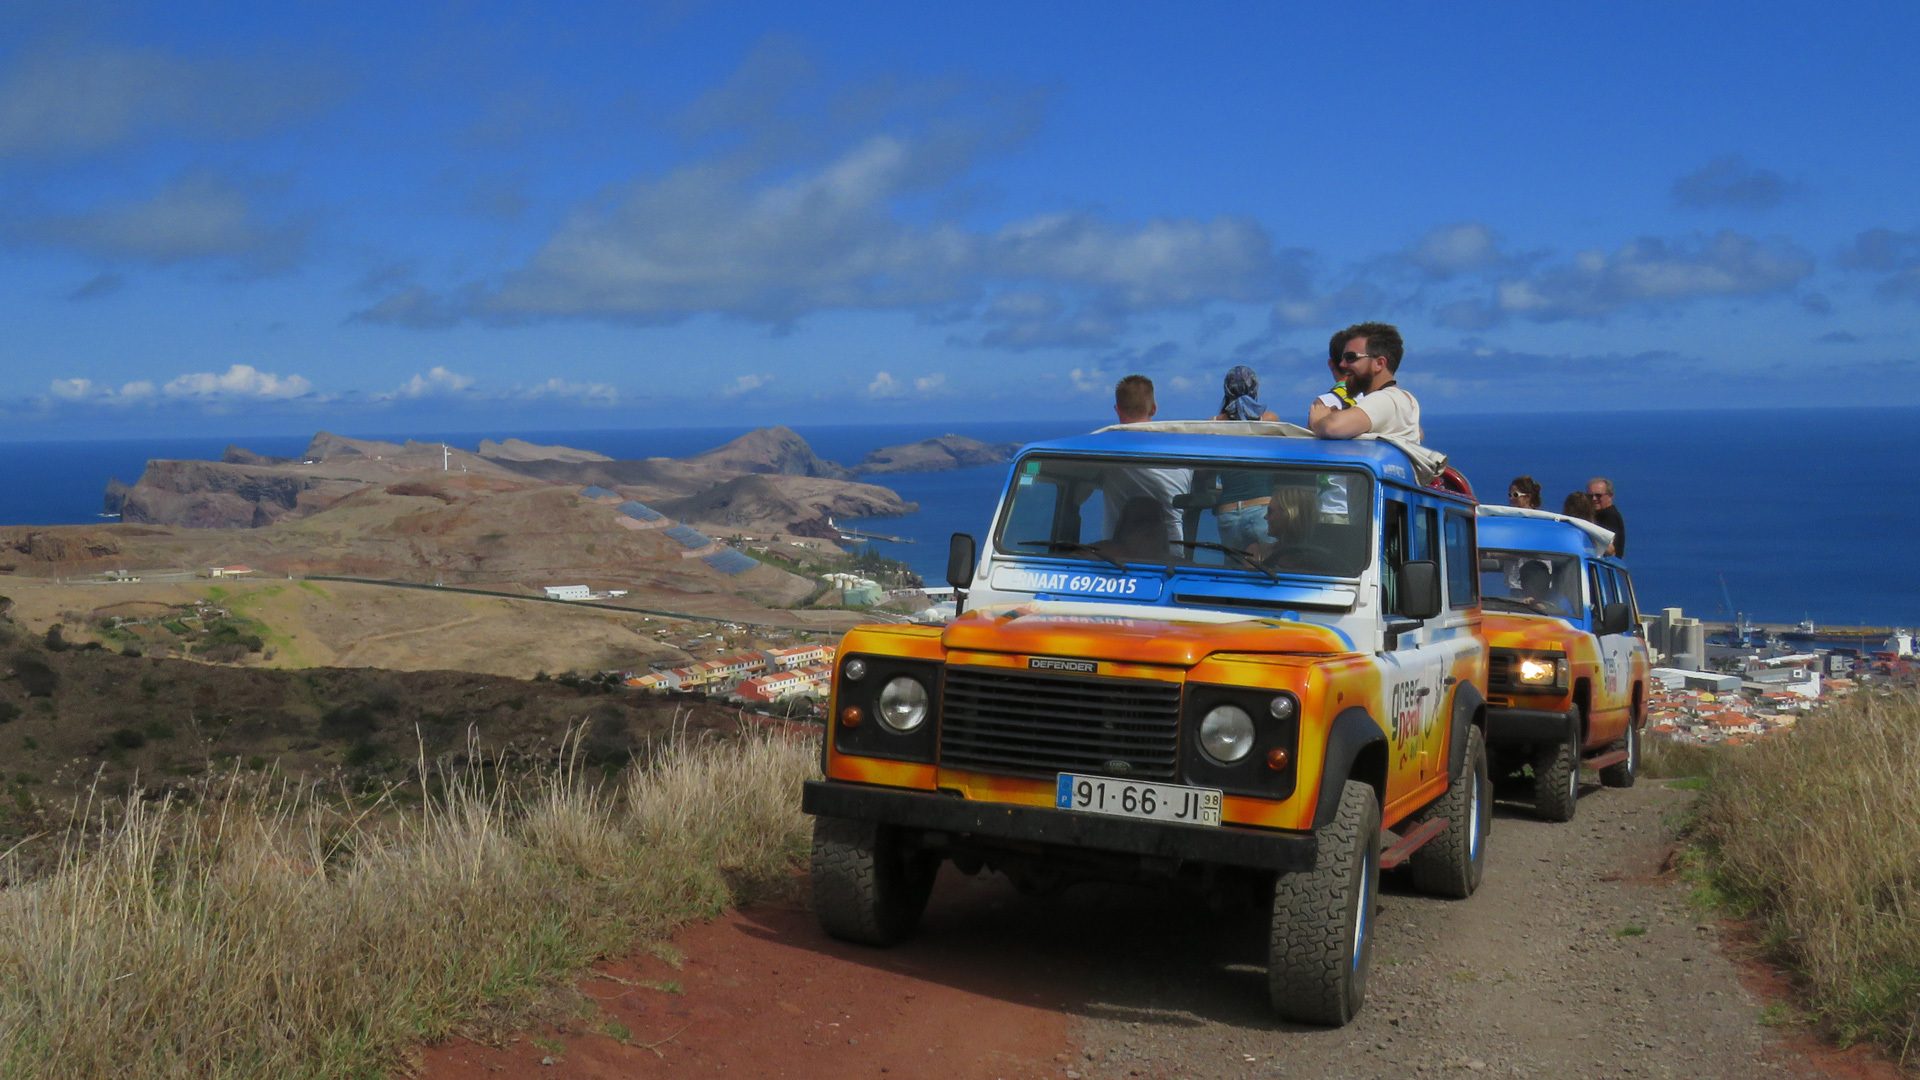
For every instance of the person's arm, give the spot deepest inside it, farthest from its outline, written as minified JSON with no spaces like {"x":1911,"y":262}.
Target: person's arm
{"x":1338,"y":423}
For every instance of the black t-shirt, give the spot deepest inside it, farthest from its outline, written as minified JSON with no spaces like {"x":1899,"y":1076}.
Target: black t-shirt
{"x":1610,"y":518}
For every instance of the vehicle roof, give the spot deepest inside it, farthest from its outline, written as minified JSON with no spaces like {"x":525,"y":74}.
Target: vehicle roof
{"x":1381,"y":458}
{"x":1536,"y":534}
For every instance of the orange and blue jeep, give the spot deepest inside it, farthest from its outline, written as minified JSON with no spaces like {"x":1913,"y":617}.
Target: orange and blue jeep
{"x":1213,"y":652}
{"x":1567,"y":665}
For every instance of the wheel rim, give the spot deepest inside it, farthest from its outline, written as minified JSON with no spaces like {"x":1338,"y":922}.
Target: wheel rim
{"x":1473,"y":820}
{"x":1360,"y":913}
{"x":1573,"y":778}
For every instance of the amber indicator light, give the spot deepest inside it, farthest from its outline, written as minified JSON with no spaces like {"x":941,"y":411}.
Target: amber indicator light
{"x":1276,"y":759}
{"x":850,"y":716}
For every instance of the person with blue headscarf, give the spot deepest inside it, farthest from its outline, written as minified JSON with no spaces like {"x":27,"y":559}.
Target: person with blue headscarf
{"x":1241,"y":400}
{"x":1241,"y":497}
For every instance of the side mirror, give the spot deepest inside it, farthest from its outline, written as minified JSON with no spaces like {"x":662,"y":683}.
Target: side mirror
{"x":962,"y":553}
{"x":1419,"y":589}
{"x":1615,"y":619}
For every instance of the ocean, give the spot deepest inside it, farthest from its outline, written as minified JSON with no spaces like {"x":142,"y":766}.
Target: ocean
{"x":1797,"y":524}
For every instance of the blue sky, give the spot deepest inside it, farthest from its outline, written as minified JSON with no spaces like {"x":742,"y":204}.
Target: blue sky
{"x":266,"y":218}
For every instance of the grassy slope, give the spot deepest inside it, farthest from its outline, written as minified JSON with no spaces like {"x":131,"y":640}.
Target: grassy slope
{"x":1816,"y":834}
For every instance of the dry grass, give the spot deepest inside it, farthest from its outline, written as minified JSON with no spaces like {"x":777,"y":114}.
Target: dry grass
{"x":1817,"y":833}
{"x":272,"y":932}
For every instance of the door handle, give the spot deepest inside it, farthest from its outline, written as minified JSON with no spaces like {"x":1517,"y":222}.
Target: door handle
{"x":1423,"y":691}
{"x":1448,"y":681}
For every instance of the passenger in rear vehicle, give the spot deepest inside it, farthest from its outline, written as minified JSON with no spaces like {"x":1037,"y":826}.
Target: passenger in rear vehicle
{"x":1524,"y":492}
{"x":1578,"y":505}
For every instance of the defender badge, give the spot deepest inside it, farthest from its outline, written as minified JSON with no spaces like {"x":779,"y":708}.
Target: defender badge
{"x":1052,"y":663}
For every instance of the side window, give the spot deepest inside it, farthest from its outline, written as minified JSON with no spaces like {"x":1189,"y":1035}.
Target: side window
{"x":1633,"y":606}
{"x":1596,"y":595}
{"x":1462,"y":560}
{"x":1393,"y":554}
{"x":1426,"y":534}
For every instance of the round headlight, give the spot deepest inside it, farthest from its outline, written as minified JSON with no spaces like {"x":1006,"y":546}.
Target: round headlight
{"x":1283,"y":706}
{"x":856,"y":669}
{"x":1226,"y":734}
{"x":903,"y":704}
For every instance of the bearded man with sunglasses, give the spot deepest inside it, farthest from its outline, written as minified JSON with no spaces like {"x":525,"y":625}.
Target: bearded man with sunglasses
{"x":1366,"y":357}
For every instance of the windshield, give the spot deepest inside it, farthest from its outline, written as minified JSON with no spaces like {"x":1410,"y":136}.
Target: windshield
{"x":1263,"y":519}
{"x":1536,"y":582}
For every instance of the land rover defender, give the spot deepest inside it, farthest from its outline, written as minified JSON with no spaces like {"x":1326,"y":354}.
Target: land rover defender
{"x":1567,"y":662}
{"x":1223,"y":653}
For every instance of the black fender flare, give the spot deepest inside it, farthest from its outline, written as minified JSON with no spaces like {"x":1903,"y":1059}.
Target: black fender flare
{"x":1467,"y":703}
{"x":1353,"y":730}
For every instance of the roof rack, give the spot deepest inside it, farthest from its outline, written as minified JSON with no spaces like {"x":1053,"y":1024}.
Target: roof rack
{"x":1429,"y":464}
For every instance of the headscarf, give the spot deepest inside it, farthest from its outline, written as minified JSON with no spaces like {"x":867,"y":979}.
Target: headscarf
{"x":1240,"y":401}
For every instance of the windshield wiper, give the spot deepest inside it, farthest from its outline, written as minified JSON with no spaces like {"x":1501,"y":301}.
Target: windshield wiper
{"x":1251,"y":562}
{"x":1073,"y":545}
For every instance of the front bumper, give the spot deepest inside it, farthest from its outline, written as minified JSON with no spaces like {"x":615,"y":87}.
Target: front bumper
{"x":1508,"y":725}
{"x":1221,"y":844}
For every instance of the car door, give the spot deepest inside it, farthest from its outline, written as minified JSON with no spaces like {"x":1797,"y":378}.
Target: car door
{"x":1613,"y":682}
{"x":1415,"y":673}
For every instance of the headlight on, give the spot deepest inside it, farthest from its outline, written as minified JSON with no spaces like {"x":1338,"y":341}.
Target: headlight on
{"x":903,"y":704}
{"x":1226,"y":734}
{"x":1533,"y":671}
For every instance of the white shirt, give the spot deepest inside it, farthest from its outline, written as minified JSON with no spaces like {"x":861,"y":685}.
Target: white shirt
{"x":1391,"y":411}
{"x":1160,"y":485}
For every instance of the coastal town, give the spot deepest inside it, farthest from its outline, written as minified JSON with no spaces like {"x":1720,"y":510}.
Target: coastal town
{"x":1742,"y":684}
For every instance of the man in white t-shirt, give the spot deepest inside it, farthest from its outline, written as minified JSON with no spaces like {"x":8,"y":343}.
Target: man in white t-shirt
{"x":1133,"y":403}
{"x":1368,"y":360}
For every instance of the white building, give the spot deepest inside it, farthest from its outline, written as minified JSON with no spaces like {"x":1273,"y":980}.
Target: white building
{"x":566,"y":592}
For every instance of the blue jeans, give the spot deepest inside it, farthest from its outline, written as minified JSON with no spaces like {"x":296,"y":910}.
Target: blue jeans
{"x":1244,"y":527}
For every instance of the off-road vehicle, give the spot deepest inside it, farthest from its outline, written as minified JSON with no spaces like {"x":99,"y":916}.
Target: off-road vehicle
{"x":1227,"y":654}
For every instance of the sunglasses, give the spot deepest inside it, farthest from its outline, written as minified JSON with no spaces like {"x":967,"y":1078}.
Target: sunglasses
{"x":1350,"y":357}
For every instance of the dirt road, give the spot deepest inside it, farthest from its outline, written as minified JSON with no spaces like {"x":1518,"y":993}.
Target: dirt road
{"x":1576,"y":958}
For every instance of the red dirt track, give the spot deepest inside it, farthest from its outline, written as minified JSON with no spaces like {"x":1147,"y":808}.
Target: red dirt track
{"x":766,"y":994}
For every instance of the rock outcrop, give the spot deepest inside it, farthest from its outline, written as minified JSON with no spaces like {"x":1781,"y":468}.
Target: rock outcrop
{"x":771,"y":450}
{"x":326,"y":445}
{"x":115,"y":497}
{"x":521,"y":450}
{"x":65,"y":545}
{"x":215,"y":495}
{"x":760,"y":502}
{"x":935,"y":455}
{"x":240,"y":455}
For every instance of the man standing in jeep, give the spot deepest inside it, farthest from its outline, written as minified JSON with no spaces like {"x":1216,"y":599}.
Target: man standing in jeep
{"x":1370,"y":363}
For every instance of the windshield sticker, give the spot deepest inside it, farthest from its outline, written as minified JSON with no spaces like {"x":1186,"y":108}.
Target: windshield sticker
{"x":1032,"y":467}
{"x":1075,"y":583}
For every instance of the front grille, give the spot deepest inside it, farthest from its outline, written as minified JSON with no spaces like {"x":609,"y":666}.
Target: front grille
{"x":1000,"y":721}
{"x":1499,"y":668}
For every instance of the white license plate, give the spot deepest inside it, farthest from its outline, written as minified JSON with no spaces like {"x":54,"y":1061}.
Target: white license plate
{"x":1130,"y":798}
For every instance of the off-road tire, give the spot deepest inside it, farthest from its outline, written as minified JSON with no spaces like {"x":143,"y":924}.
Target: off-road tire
{"x":1556,"y":780}
{"x":1320,"y":946}
{"x":867,"y":887}
{"x":1623,"y":774}
{"x":1452,"y":864}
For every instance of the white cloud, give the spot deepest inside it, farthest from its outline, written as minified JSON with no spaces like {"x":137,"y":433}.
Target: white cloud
{"x":585,"y":393}
{"x":1455,"y":249}
{"x":239,"y":381}
{"x":79,"y":389}
{"x":745,"y":384}
{"x":1647,"y":272}
{"x":885,"y":386}
{"x":929,"y":383}
{"x":1088,"y":381}
{"x":436,"y":382}
{"x":199,"y":215}
{"x":139,"y":388}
